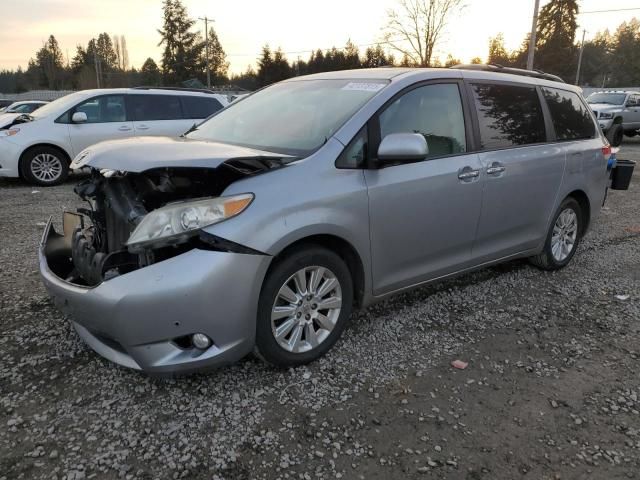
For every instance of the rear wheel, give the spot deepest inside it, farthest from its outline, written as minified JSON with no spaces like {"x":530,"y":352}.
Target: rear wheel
{"x":615,"y":134}
{"x":45,"y":166}
{"x":563,"y":237}
{"x":304,"y":305}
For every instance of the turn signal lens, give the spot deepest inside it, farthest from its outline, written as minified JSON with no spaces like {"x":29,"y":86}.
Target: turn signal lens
{"x":234,"y":206}
{"x":10,"y":132}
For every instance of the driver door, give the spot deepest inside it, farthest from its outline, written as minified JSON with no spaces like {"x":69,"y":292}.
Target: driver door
{"x":424,"y":215}
{"x":106,"y":120}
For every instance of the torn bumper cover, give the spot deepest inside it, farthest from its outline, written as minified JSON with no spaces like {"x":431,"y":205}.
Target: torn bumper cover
{"x":141,"y":319}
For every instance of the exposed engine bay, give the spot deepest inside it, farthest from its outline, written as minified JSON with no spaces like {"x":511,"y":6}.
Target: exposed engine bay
{"x":117,"y":203}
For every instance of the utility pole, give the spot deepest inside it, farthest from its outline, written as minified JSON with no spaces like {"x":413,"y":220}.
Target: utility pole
{"x":206,"y":47}
{"x":96,"y":64}
{"x":580,"y":57}
{"x":532,"y":38}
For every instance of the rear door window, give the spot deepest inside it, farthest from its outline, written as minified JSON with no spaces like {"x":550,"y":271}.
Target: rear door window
{"x":155,"y":107}
{"x":435,"y":111}
{"x":571,"y":118}
{"x":200,"y":107}
{"x":508,"y":115}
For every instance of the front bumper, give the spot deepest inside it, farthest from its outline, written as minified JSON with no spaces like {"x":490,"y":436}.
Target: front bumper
{"x":134,"y":319}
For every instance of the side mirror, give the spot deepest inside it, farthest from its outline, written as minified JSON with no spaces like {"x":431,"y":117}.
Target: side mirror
{"x":79,"y":117}
{"x":403,"y":147}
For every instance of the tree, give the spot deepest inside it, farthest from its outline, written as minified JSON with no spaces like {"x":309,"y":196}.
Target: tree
{"x":451,"y":61}
{"x":48,"y":65}
{"x":265,"y":64}
{"x":597,"y":60}
{"x":217,"y":58}
{"x":415,"y":28}
{"x":625,"y":55}
{"x":106,"y":52}
{"x":556,"y":32}
{"x":182,"y":54}
{"x":376,"y":57}
{"x":150,"y":73}
{"x":351,"y":56}
{"x":476,"y":61}
{"x":497,"y":52}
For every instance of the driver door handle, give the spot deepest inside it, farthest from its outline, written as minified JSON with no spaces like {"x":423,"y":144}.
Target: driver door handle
{"x":124,"y":128}
{"x":468,"y":174}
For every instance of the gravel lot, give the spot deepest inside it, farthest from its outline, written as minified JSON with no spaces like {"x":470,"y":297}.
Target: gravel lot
{"x":551,"y":391}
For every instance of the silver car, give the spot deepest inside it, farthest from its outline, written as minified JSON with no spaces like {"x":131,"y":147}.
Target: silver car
{"x":264,"y":227}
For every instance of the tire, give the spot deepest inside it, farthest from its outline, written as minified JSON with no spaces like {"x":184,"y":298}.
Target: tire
{"x":551,"y":258}
{"x":615,"y":134}
{"x":297,"y":320}
{"x":44,"y":166}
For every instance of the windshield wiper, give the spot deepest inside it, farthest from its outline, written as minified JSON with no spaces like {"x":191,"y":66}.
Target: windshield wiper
{"x":193,"y":128}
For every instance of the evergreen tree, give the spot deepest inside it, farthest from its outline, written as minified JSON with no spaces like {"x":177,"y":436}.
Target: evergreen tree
{"x":556,"y":33}
{"x":48,"y":66}
{"x":182,"y":54}
{"x":376,"y":57}
{"x":265,"y":65}
{"x":497,"y":52}
{"x":217,"y":58}
{"x":150,"y":73}
{"x":451,"y":61}
{"x":625,"y":58}
{"x":351,"y":56}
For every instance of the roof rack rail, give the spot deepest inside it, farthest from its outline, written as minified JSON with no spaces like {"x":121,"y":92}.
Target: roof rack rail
{"x":180,"y":89}
{"x":497,"y":68}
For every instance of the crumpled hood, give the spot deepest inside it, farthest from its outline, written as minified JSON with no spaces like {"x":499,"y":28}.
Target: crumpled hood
{"x":145,"y":153}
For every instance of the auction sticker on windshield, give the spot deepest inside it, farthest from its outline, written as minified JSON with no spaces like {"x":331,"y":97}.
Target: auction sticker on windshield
{"x":364,"y":86}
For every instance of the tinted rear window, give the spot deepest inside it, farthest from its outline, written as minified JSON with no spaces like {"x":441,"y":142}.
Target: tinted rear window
{"x":155,"y":107}
{"x":200,"y":107}
{"x":508,"y":115}
{"x":571,"y":117}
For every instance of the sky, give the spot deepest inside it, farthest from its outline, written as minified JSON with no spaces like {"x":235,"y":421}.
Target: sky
{"x":295,"y":25}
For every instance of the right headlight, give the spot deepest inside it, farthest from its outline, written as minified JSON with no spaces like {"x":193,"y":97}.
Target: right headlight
{"x":177,"y":222}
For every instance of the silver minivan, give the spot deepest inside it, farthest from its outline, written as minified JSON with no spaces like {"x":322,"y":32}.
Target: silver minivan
{"x":264,"y":227}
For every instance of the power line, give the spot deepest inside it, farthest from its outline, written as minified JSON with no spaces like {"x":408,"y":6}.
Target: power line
{"x":612,"y":10}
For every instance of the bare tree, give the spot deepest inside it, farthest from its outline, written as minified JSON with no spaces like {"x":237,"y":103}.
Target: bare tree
{"x":415,"y":28}
{"x":124,"y":52}
{"x":116,"y":48}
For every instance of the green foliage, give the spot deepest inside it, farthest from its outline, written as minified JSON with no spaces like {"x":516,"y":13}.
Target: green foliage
{"x":182,"y":54}
{"x":218,"y":63}
{"x":150,"y":73}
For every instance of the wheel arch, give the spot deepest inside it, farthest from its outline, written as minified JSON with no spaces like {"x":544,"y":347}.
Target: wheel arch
{"x":617,"y":120}
{"x":585,"y":206}
{"x":65,"y":154}
{"x":343,"y":248}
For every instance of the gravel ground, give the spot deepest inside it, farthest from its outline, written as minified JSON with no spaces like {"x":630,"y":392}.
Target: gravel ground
{"x":551,"y":390}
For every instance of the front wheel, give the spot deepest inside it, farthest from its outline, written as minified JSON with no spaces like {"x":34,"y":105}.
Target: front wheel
{"x":615,"y":135}
{"x":563,"y":237}
{"x":304,"y":305}
{"x":44,"y":166}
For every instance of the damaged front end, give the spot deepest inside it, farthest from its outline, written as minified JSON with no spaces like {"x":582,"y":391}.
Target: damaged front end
{"x":136,"y":219}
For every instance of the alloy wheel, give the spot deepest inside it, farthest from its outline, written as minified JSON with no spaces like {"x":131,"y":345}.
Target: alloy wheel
{"x":565,"y":233}
{"x":46,"y":167}
{"x":306,"y":309}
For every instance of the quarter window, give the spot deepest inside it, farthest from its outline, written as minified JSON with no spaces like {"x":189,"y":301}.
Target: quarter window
{"x":435,"y":111}
{"x":155,"y":107}
{"x":355,"y":154}
{"x":200,"y":107}
{"x":508,"y":115}
{"x":108,"y":108}
{"x":572,"y":119}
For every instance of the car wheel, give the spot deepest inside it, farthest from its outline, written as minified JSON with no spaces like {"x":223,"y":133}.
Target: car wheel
{"x":304,"y":305}
{"x":563,"y":237}
{"x":614,"y":135}
{"x":44,"y":166}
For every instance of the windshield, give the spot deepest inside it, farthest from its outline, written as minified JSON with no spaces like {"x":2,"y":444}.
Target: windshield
{"x":60,"y":105}
{"x":610,"y":98}
{"x":293,"y":118}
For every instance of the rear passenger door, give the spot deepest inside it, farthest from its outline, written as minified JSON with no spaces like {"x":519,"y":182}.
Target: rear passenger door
{"x":158,"y":115}
{"x":522,"y":170}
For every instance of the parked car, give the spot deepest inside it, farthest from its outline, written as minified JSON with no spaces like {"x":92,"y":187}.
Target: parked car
{"x":5,"y":102}
{"x":262,"y":229}
{"x":26,"y":106}
{"x":38,"y":147}
{"x":618,"y":113}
